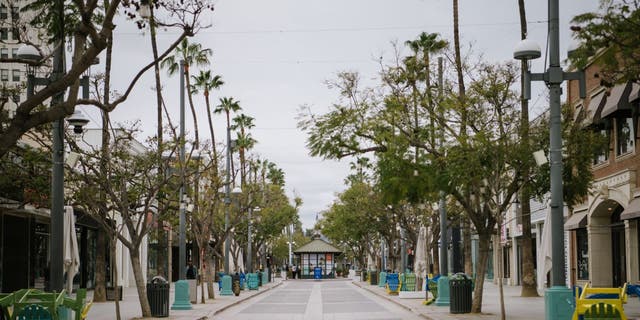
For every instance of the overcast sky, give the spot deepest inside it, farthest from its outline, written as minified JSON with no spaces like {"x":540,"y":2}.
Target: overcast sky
{"x":274,"y":56}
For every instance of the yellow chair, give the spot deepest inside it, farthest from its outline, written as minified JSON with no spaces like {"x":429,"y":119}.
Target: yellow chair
{"x":583,"y":303}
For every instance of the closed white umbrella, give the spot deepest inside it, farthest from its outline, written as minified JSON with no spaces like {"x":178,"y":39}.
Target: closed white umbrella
{"x":544,"y":254}
{"x":420,"y":264}
{"x":71,"y":252}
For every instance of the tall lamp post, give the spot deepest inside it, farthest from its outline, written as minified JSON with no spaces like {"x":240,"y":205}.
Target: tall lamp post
{"x":557,"y":305}
{"x":56,"y":264}
{"x":182,"y":301}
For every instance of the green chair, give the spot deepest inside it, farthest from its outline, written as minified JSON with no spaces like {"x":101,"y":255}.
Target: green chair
{"x":34,"y":312}
{"x":602,"y":311}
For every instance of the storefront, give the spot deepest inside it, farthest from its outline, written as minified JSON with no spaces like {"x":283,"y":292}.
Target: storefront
{"x":317,"y":253}
{"x":24,"y":248}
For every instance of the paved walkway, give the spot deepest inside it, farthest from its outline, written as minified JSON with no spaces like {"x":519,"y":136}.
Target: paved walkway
{"x":130,"y":305}
{"x":516,"y":307}
{"x":330,"y":299}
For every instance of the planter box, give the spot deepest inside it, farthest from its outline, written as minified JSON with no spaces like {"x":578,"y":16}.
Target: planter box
{"x":111,"y":293}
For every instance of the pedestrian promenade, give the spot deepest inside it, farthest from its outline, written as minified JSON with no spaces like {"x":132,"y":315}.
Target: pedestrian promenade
{"x":516,"y":307}
{"x":130,"y":305}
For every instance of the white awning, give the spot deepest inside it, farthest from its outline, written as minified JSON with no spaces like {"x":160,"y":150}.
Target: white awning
{"x":576,"y":221}
{"x":632,"y":210}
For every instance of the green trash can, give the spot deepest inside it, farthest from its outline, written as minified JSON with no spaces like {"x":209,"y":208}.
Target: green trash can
{"x":460,"y":293}
{"x":373,"y":278}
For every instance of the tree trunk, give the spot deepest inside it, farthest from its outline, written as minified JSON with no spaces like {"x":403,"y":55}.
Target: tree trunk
{"x":114,"y":274}
{"x":466,"y":247}
{"x":528,"y":268}
{"x":213,"y":136}
{"x":161,"y":256}
{"x":210,"y":274}
{"x":99,"y":293}
{"x":193,"y":109}
{"x":140,"y":283}
{"x":483,"y":257}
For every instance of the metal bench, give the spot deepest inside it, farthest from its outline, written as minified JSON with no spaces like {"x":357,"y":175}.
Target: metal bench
{"x":598,"y":300}
{"x":602,"y":311}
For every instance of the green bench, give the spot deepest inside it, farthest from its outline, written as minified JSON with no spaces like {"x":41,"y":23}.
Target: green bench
{"x":26,"y":304}
{"x":602,"y":311}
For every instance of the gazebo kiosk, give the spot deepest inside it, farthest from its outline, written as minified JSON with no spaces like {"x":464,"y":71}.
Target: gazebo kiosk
{"x":317,"y":253}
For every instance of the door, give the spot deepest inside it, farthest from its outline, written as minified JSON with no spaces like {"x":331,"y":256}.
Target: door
{"x":619,"y":261}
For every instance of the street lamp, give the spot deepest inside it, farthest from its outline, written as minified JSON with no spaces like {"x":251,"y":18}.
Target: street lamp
{"x":30,"y":53}
{"x":557,"y":297}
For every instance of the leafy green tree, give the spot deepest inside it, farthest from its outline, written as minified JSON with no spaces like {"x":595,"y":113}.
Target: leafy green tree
{"x":611,"y":37}
{"x":91,"y":28}
{"x":122,"y":194}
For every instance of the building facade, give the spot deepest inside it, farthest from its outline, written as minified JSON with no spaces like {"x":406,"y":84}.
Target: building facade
{"x":604,"y":228}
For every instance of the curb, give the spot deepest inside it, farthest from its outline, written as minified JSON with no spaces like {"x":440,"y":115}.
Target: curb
{"x":235,"y":303}
{"x":392,"y":300}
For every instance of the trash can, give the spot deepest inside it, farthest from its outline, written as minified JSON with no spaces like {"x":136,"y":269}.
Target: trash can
{"x":235,"y":284}
{"x":460,"y":293}
{"x":363,"y":275}
{"x":259,"y":279}
{"x":317,"y":273}
{"x":373,"y":278}
{"x":158,"y":296}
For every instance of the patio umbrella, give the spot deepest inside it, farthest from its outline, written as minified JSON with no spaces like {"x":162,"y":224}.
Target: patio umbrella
{"x":544,"y":254}
{"x":71,"y":252}
{"x":420,"y":265}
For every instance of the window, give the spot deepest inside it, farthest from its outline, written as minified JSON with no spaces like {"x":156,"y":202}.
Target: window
{"x":4,"y":12}
{"x":15,"y":75}
{"x":582,"y":246}
{"x":4,"y":74}
{"x":15,"y":14}
{"x":602,"y":155}
{"x":15,"y":34}
{"x":14,"y":52}
{"x":625,"y":135}
{"x":4,"y":34}
{"x":4,"y":53}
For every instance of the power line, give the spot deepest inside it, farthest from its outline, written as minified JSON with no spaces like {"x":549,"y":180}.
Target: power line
{"x":344,"y":29}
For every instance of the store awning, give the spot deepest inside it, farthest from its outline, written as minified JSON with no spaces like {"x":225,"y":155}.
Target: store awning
{"x":617,"y":100}
{"x":632,"y":211}
{"x":576,"y":221}
{"x":592,"y":112}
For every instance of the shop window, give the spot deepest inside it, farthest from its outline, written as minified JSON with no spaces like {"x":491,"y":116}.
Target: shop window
{"x":15,"y":14}
{"x":625,"y":138}
{"x":602,"y":155}
{"x":582,"y":246}
{"x":4,"y":34}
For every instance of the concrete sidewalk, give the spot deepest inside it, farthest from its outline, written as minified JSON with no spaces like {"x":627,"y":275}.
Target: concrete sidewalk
{"x":130,"y":304}
{"x":516,"y":307}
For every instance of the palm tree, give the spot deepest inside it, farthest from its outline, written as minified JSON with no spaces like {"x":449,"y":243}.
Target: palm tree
{"x":528,"y":268}
{"x":228,"y":105}
{"x":205,"y":82}
{"x":191,"y":54}
{"x":245,"y":141}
